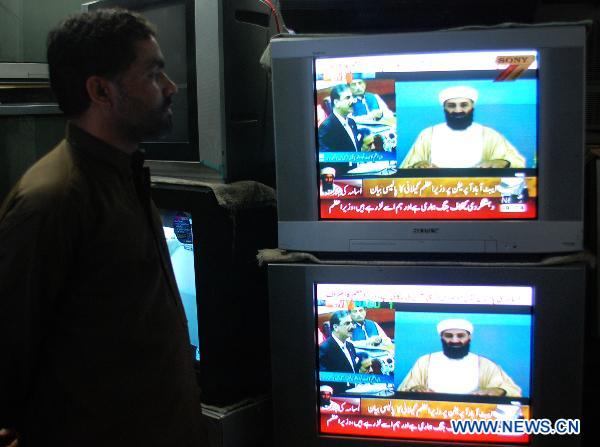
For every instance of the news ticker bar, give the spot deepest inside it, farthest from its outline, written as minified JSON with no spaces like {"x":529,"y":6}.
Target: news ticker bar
{"x":407,"y":428}
{"x":429,"y":409}
{"x":375,"y":295}
{"x":436,"y":188}
{"x":448,"y":187}
{"x":341,"y":377}
{"x":426,"y":209}
{"x":355,"y":157}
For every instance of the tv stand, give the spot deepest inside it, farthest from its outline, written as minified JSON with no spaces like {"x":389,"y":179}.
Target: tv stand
{"x":247,"y":423}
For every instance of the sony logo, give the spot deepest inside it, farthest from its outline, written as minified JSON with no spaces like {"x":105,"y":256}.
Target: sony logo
{"x":519,"y":60}
{"x":426,"y":230}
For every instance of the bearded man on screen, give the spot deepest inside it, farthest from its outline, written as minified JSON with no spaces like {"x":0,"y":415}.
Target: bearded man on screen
{"x":460,"y":142}
{"x":455,"y":369}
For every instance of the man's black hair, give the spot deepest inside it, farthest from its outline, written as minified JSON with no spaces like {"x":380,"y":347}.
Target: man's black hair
{"x":337,"y":316}
{"x":98,"y":43}
{"x":336,"y":90}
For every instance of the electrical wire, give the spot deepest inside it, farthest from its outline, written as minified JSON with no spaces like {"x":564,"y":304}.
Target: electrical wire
{"x":273,"y":12}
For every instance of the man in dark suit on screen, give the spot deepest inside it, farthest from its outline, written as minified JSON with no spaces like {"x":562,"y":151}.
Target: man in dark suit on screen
{"x":337,"y":353}
{"x":339,"y":133}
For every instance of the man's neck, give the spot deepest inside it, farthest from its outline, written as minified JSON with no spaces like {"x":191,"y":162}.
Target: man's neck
{"x":339,"y":340}
{"x":341,"y":117}
{"x":105,"y":132}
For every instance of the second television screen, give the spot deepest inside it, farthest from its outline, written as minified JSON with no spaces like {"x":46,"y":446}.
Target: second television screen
{"x":408,"y":361}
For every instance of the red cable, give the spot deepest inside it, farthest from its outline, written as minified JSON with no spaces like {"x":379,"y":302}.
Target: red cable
{"x":274,"y":12}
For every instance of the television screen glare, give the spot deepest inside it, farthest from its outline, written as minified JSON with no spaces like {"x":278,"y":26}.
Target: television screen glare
{"x":177,"y":226}
{"x":408,"y":378}
{"x":431,"y":136}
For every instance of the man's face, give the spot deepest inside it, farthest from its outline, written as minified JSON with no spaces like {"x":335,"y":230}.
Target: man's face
{"x":459,"y":113}
{"x":458,"y":105}
{"x":358,"y":314}
{"x":328,"y":178}
{"x":142,"y":106}
{"x":325,"y":398}
{"x":358,"y":87}
{"x":343,"y":330}
{"x":456,"y":337}
{"x":456,"y":343}
{"x":343,"y":105}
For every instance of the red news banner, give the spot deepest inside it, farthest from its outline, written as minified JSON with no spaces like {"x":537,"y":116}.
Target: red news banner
{"x":411,"y":419}
{"x":453,"y":198}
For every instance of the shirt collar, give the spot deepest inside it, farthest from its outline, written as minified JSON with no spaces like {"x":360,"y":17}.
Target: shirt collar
{"x":474,"y":127}
{"x":339,"y":342}
{"x":343,"y":119}
{"x":104,"y":152}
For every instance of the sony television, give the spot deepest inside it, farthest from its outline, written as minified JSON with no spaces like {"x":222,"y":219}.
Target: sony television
{"x":411,"y":381}
{"x":222,"y":111}
{"x":224,"y":292}
{"x":447,"y":141}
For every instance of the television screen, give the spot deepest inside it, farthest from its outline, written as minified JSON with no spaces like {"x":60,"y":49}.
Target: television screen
{"x":177,"y":226}
{"x":405,"y":136}
{"x":421,"y":356}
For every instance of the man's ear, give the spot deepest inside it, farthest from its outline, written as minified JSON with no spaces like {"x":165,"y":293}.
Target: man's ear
{"x":99,"y":90}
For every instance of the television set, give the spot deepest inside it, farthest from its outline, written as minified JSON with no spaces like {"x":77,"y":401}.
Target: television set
{"x":222,"y":111}
{"x":375,"y":152}
{"x":224,"y":293}
{"x":522,"y":361}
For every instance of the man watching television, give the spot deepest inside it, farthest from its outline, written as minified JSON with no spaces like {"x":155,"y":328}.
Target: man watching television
{"x":93,"y":336}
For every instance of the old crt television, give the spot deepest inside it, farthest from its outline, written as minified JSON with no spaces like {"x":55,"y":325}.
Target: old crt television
{"x":520,"y":359}
{"x":222,"y":111}
{"x":502,"y":176}
{"x":224,"y":292}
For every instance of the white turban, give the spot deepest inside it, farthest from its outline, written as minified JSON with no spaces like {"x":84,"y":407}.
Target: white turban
{"x":459,"y":91}
{"x":454,"y":323}
{"x":328,"y":170}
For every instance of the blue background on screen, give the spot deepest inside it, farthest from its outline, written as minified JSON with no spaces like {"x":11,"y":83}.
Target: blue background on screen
{"x":502,"y":338}
{"x":509,"y":107}
{"x":183,"y":266}
{"x":182,"y":260}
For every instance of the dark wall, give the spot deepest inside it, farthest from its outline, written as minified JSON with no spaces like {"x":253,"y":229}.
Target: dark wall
{"x":324,"y":16}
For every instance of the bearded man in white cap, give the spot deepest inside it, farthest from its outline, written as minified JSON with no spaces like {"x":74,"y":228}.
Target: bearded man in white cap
{"x":460,"y":142}
{"x":455,"y":370}
{"x":328,"y":187}
{"x":325,"y":402}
